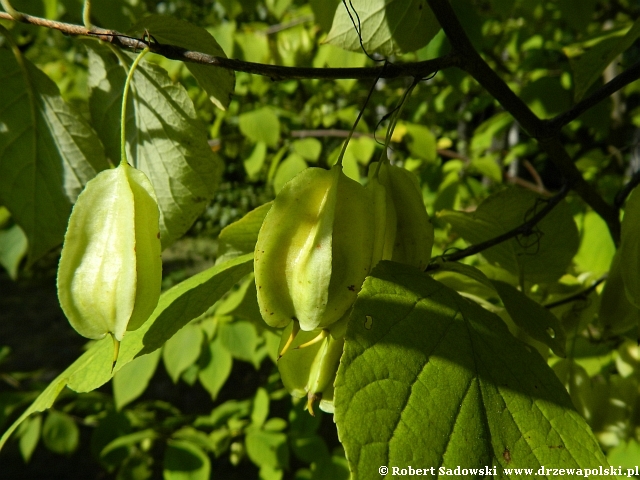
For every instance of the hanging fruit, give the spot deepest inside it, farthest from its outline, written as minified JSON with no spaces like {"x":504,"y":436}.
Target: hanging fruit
{"x":404,"y":233}
{"x":110,"y":269}
{"x":309,"y":367}
{"x":314,"y":249}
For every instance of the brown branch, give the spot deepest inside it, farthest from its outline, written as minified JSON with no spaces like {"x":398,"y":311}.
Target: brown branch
{"x":524,"y":229}
{"x":275,"y":72}
{"x":328,"y":132}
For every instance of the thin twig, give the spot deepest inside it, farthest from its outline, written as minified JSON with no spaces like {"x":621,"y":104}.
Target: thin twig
{"x":274,"y":72}
{"x":582,"y":295}
{"x":524,"y":229}
{"x":329,"y":132}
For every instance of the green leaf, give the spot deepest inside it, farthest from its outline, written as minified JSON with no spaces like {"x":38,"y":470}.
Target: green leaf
{"x":216,"y":372}
{"x":240,"y":237}
{"x":417,"y":353}
{"x":308,"y":148}
{"x":421,"y":142}
{"x":217,"y":82}
{"x":260,"y":410}
{"x":60,"y":433}
{"x":112,"y":426}
{"x":185,"y":461}
{"x":261,"y":125}
{"x":267,"y":448}
{"x":240,"y":339}
{"x":589,"y":67}
{"x":289,"y":168}
{"x":48,"y":152}
{"x":388,"y":26}
{"x":182,"y":350}
{"x":176,"y":308}
{"x":532,"y":317}
{"x":29,"y":433}
{"x":164,"y":137}
{"x":543,"y":256}
{"x":324,"y":11}
{"x":132,"y":379}
{"x":596,"y":245}
{"x":13,"y":248}
{"x":630,"y":248}
{"x":617,"y":315}
{"x":253,"y":164}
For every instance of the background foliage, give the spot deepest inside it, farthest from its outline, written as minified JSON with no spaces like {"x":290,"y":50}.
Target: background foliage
{"x":204,"y":394}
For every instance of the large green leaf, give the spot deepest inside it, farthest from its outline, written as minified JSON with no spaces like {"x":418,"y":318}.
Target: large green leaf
{"x":589,"y":67}
{"x":47,"y":153}
{"x":130,"y":381}
{"x":429,"y":378}
{"x":388,"y":26}
{"x":217,"y":82}
{"x":543,"y":256}
{"x":630,"y":248}
{"x":176,"y":307}
{"x":164,"y":137}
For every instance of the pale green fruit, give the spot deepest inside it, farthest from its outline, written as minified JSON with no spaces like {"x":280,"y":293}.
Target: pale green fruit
{"x":404,"y":233}
{"x":314,"y":249}
{"x":311,"y":371}
{"x":110,"y":269}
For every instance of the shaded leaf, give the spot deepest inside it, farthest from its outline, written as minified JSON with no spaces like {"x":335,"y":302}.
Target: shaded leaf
{"x":29,"y":433}
{"x":532,"y":317}
{"x":589,"y":67}
{"x":185,"y":461}
{"x":165,"y":139}
{"x":132,"y":379}
{"x":630,"y":248}
{"x":217,"y":82}
{"x":216,"y":372}
{"x":60,"y":433}
{"x":182,"y":350}
{"x":542,"y":256}
{"x":417,"y":353}
{"x":48,"y":152}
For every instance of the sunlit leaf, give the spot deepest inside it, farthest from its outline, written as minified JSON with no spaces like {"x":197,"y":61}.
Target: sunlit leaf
{"x":164,"y":138}
{"x":417,"y":353}
{"x":388,"y":26}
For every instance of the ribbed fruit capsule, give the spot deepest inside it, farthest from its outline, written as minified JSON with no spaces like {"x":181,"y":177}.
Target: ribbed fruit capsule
{"x":314,"y":249}
{"x":404,"y":232}
{"x":110,"y":269}
{"x":310,"y":371}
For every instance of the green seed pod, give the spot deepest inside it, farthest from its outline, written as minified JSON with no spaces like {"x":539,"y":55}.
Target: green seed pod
{"x":310,"y":371}
{"x":314,"y":249}
{"x":110,"y":269}
{"x":404,"y":232}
